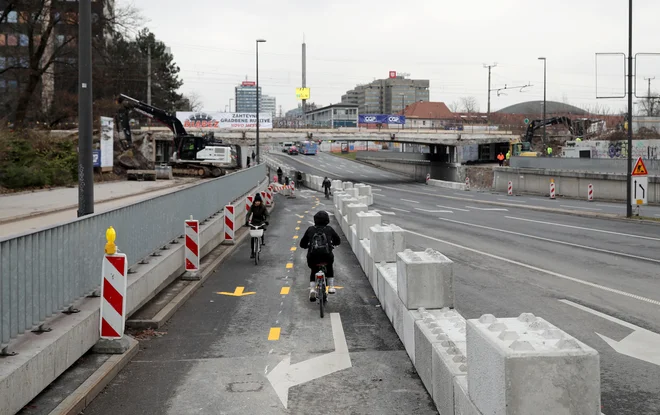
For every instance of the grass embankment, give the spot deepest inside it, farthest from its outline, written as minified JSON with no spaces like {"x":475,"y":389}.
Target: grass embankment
{"x":34,"y":159}
{"x":350,"y":156}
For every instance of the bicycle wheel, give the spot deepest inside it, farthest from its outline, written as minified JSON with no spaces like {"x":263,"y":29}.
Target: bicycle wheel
{"x":256,"y":251}
{"x":319,"y":296}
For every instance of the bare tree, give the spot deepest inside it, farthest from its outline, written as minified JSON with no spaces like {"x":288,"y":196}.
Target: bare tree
{"x":194,"y":101}
{"x":598,"y":109}
{"x":454,"y":106}
{"x":469,"y":104}
{"x":649,"y":107}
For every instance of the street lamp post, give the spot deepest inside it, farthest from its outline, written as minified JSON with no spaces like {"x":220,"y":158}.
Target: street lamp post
{"x":544,"y":91}
{"x":85,"y":111}
{"x":257,"y":97}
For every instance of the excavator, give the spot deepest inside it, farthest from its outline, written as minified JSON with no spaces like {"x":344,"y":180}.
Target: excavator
{"x":193,"y":156}
{"x":577,"y":128}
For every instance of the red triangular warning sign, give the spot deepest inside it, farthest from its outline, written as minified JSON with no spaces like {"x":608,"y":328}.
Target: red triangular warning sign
{"x":640,"y":168}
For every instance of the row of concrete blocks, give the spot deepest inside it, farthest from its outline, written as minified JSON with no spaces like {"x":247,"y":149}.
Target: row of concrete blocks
{"x":486,"y":366}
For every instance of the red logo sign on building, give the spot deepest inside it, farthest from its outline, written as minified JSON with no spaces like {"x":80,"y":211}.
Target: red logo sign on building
{"x":248,"y":83}
{"x":392,"y":74}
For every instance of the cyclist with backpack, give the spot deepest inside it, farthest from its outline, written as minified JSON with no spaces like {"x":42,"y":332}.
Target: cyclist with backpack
{"x":319,"y":240}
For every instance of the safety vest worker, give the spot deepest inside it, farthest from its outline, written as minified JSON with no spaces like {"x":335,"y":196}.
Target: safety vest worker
{"x":549,"y":151}
{"x":508,"y":154}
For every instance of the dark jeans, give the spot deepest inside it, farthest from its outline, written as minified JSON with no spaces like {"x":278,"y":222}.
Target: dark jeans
{"x":327,"y":190}
{"x":329,"y":272}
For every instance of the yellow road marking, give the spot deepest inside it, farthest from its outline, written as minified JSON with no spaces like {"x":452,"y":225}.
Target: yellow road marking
{"x":289,"y":265}
{"x":274,"y":333}
{"x":238,"y":292}
{"x":299,"y":221}
{"x":307,"y":211}
{"x":285,"y":290}
{"x":293,"y":248}
{"x":295,"y":236}
{"x":336,"y":288}
{"x":297,"y":228}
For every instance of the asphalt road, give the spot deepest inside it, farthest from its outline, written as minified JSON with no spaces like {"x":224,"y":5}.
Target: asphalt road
{"x":216,"y":354}
{"x":511,"y":260}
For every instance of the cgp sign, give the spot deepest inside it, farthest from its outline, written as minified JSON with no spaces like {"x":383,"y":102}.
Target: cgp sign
{"x":381,"y":119}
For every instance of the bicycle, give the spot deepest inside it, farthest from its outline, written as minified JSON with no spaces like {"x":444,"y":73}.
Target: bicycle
{"x":328,"y":193}
{"x":256,"y":233}
{"x":321,"y":286}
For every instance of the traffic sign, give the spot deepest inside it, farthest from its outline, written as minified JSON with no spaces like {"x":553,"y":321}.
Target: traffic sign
{"x":640,"y":185}
{"x":526,"y":120}
{"x":640,"y":168}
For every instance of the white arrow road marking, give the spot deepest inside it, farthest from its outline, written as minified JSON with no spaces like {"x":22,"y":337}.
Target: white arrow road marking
{"x":490,"y":209}
{"x":285,"y":375}
{"x":641,"y":344}
{"x":411,"y":201}
{"x":400,"y":210}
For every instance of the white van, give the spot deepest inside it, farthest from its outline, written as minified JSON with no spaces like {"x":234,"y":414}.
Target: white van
{"x":286,"y":145}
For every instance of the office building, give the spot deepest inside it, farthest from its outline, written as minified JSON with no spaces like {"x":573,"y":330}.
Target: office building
{"x":62,"y":75}
{"x":268,"y":105}
{"x":388,"y":96}
{"x":246,"y":97}
{"x":333,"y":116}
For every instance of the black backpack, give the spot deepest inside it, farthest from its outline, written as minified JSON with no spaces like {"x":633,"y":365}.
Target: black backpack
{"x":320,"y":245}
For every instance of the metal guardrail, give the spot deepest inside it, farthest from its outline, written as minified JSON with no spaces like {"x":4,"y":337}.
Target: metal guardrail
{"x":46,"y":271}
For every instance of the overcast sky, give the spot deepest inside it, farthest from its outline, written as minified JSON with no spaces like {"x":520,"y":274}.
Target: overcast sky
{"x":447,"y":42}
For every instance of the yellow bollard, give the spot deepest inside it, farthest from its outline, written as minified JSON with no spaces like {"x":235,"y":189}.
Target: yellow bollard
{"x":110,"y":247}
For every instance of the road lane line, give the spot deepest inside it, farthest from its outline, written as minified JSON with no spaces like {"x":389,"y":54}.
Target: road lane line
{"x":285,"y":290}
{"x":512,"y":201}
{"x":434,"y":211}
{"x":585,"y":229}
{"x":400,"y":210}
{"x":274,"y":333}
{"x":448,"y":207}
{"x":489,"y":209}
{"x":579,"y":207}
{"x":591,"y":248}
{"x":411,"y":201}
{"x":545,"y":271}
{"x":289,"y":265}
{"x":459,"y":194}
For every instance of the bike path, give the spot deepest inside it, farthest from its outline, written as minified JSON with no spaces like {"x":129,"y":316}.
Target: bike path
{"x":216,"y":354}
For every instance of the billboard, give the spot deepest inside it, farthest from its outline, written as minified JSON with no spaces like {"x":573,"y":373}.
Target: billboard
{"x":381,"y":119}
{"x":107,"y":142}
{"x":302,"y":93}
{"x":224,"y":120}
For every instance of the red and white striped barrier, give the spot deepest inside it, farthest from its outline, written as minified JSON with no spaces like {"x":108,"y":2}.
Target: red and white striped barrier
{"x":467,"y":183}
{"x":248,"y":203}
{"x":192,"y":245}
{"x":510,"y":190}
{"x":590,"y":193}
{"x":113,"y":296}
{"x":552,"y":190}
{"x":230,"y":221}
{"x":269,"y":196}
{"x":264,"y":197}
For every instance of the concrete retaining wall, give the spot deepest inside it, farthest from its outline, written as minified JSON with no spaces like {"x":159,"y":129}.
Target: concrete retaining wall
{"x":570,"y":184}
{"x":586,"y":165}
{"x":42,"y":358}
{"x":522,"y":365}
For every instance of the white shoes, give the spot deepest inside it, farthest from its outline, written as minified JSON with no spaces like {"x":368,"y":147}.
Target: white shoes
{"x":331,"y":286}
{"x":312,"y":291}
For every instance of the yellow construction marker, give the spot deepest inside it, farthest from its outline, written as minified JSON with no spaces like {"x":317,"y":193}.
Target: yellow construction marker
{"x":289,"y":265}
{"x":293,"y":248}
{"x":274,"y":333}
{"x":295,"y":236}
{"x":285,"y":290}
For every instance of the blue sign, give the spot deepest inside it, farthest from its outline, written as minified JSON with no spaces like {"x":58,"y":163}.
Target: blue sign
{"x":96,"y":158}
{"x":381,"y":119}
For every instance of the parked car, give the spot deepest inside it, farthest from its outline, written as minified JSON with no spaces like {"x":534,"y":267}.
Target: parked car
{"x":293,"y":150}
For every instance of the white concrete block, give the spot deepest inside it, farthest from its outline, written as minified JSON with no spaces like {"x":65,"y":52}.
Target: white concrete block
{"x":425,"y":279}
{"x":352,"y":210}
{"x":447,"y":184}
{"x":371,"y":199}
{"x":354,"y":241}
{"x":526,"y":365}
{"x":353,"y":192}
{"x":345,"y":201}
{"x":408,"y":338}
{"x":335,"y":198}
{"x":386,"y":242}
{"x":344,"y":227}
{"x":370,"y":266}
{"x":462,"y":403}
{"x":363,"y":199}
{"x":347,"y":185}
{"x":366,"y":220}
{"x":337,"y":185}
{"x":362,"y":253}
{"x":389,"y":301}
{"x":364,"y":190}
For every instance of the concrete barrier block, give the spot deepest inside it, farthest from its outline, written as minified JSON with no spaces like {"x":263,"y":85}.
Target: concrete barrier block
{"x":353,"y":192}
{"x":389,"y":301}
{"x":367,"y":257}
{"x":363,"y":199}
{"x":352,"y":210}
{"x":526,"y":365}
{"x":386,"y":242}
{"x":337,"y":185}
{"x":425,"y":279}
{"x":346,"y":201}
{"x":347,"y":185}
{"x":446,"y":328}
{"x":370,"y":200}
{"x":446,"y":184}
{"x":354,"y":241}
{"x":462,"y":403}
{"x":408,"y":335}
{"x":370,"y":267}
{"x":363,"y":253}
{"x":366,"y":220}
{"x":364,"y":190}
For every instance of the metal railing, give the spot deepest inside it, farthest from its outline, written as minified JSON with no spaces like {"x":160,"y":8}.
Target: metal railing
{"x":46,"y":271}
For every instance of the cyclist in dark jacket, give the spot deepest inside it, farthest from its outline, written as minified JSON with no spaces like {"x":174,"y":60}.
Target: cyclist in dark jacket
{"x":327,"y":184}
{"x":321,"y":221}
{"x":257,"y":215}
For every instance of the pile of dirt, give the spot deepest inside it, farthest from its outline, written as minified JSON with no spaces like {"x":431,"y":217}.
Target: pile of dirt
{"x":481,"y":177}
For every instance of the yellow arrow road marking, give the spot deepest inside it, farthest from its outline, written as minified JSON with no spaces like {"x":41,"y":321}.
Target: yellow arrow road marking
{"x":238,"y":292}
